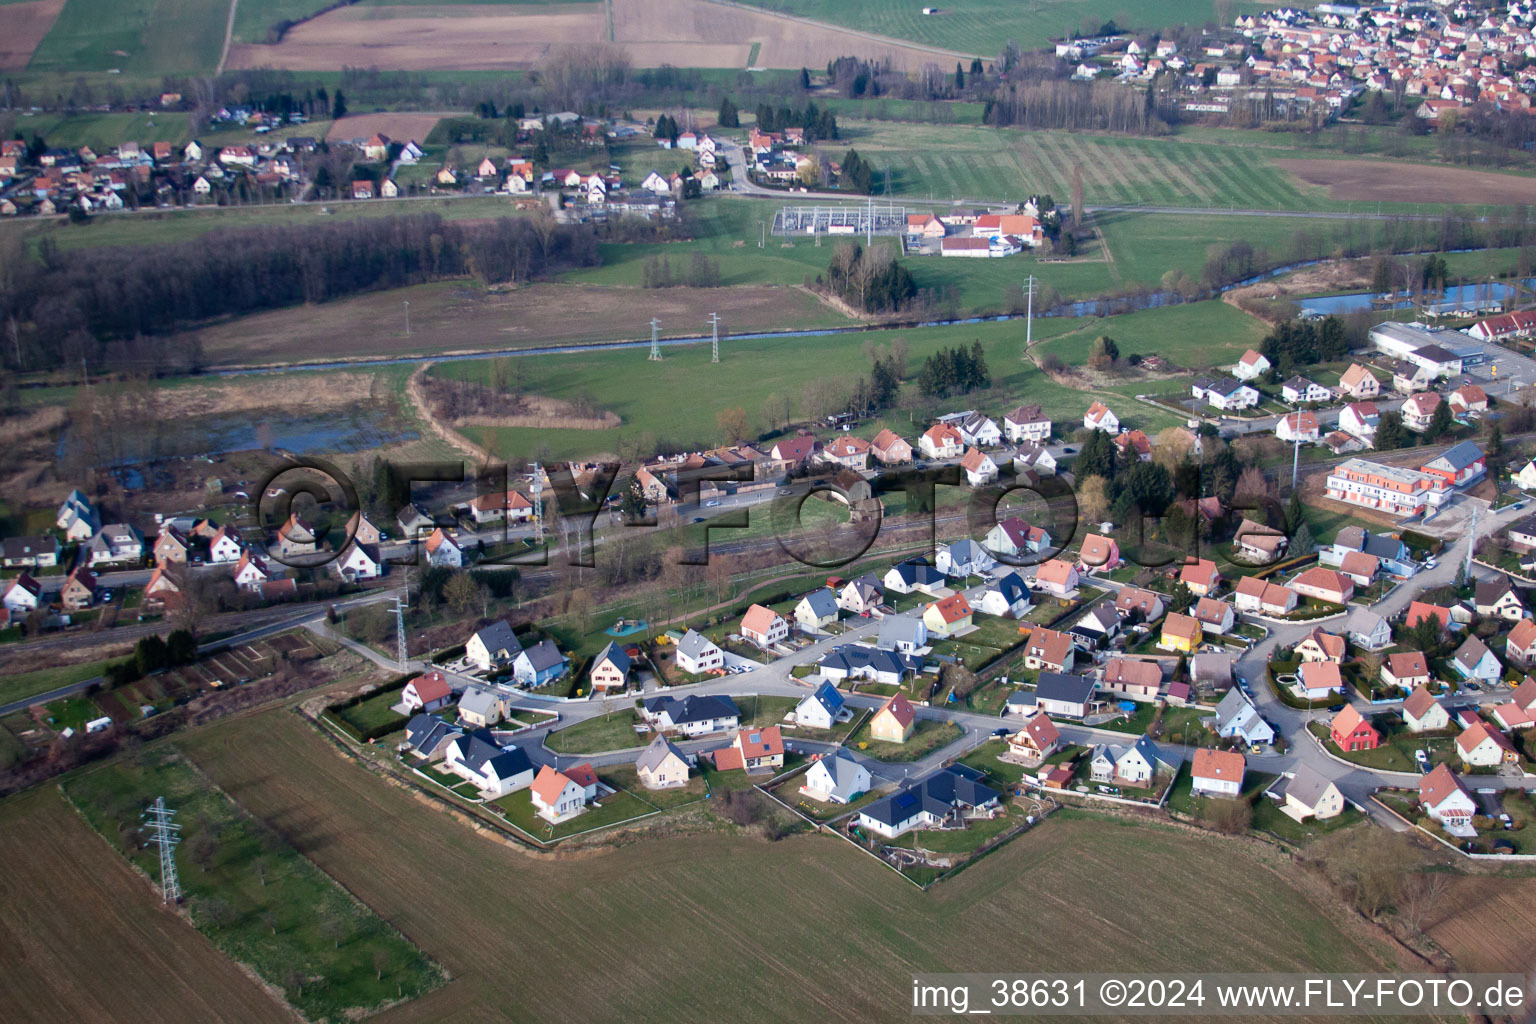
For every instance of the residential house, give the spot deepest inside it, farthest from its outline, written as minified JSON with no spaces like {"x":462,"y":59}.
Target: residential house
{"x":791,"y":453}
{"x":1520,"y":645}
{"x":1473,"y":660}
{"x":941,"y":441}
{"x":836,"y":778}
{"x":860,"y":596}
{"x":1419,"y":409}
{"x":1033,"y":458}
{"x":413,"y":522}
{"x":359,"y":562}
{"x":1461,"y":465}
{"x":1212,"y":671}
{"x":79,"y":590}
{"x":1218,"y":772}
{"x":662,"y":765}
{"x":1014,"y":538}
{"x":847,"y":451}
{"x":1008,"y":597}
{"x":1057,"y":578}
{"x":443,"y":551}
{"x":251,"y":572}
{"x":1064,"y":696}
{"x":963,"y":558}
{"x":1133,"y":678}
{"x":1134,"y":444}
{"x":696,"y":655}
{"x":1321,"y":680}
{"x":1422,"y":713}
{"x":610,"y":669}
{"x":1100,"y":417}
{"x":1323,"y":585}
{"x":946,"y":794}
{"x":857,"y":662}
{"x":224,"y":544}
{"x":1359,"y":568}
{"x":1407,"y":670}
{"x":22,"y":595}
{"x":296,"y":538}
{"x":821,"y":709}
{"x":539,"y":665}
{"x":511,"y":506}
{"x":493,"y":648}
{"x":1260,"y":544}
{"x":1136,"y":764}
{"x":1200,"y":576}
{"x":1306,"y":794}
{"x":903,"y":634}
{"x":427,"y":692}
{"x":1420,"y":610}
{"x":1237,"y":718}
{"x":116,"y":543}
{"x":1367,"y":630}
{"x":1469,"y":399}
{"x":1251,"y":365}
{"x":429,"y":736}
{"x":948,"y":616}
{"x":1050,"y":650}
{"x":1099,"y":552}
{"x":1299,"y":389}
{"x":1525,"y":476}
{"x":1320,"y":645}
{"x":979,"y":468}
{"x":1214,"y":616}
{"x":894,"y":721}
{"x":1299,"y":427}
{"x":890,"y":449}
{"x":40,"y":552}
{"x":1480,"y":745}
{"x":692,"y":715}
{"x":556,"y":796}
{"x":1359,"y":383}
{"x":1027,"y":423}
{"x":765,"y":627}
{"x":1360,"y":419}
{"x":1138,"y":605}
{"x":78,"y":517}
{"x":172,"y":546}
{"x":1037,"y":739}
{"x":976,"y":430}
{"x":1225,"y":394}
{"x":1097,"y":626}
{"x":914,"y":575}
{"x":1180,"y":633}
{"x":476,"y":757}
{"x":1350,"y":731}
{"x":1497,"y":598}
{"x":752,"y":750}
{"x":1446,"y":800}
{"x":481,"y":708}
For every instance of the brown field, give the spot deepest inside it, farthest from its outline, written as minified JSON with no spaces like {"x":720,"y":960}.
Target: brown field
{"x":687,"y":33}
{"x":83,"y":939}
{"x":1383,"y":181}
{"x":402,"y":125}
{"x":1487,"y":923}
{"x":22,"y":27}
{"x":448,"y":317}
{"x":833,"y":935}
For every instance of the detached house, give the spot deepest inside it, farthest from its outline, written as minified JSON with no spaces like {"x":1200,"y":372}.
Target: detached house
{"x":1180,"y":633}
{"x":1446,"y":800}
{"x":1350,"y":731}
{"x":814,"y":612}
{"x":1320,"y":680}
{"x":1057,"y":578}
{"x":1214,"y":616}
{"x":894,"y":722}
{"x":963,"y":558}
{"x":1497,"y":598}
{"x":692,"y":715}
{"x":765,"y":627}
{"x":1013,"y":537}
{"x":820,"y":710}
{"x":979,"y":468}
{"x":1141,"y":605}
{"x":1298,"y":390}
{"x":1099,"y":417}
{"x":696,"y":655}
{"x":1027,"y":423}
{"x":477,"y":758}
{"x":836,"y":778}
{"x":1299,"y":427}
{"x":1237,"y":718}
{"x":1099,"y":552}
{"x":1320,"y":645}
{"x":1037,"y":739}
{"x":948,"y":616}
{"x":1324,"y":585}
{"x":610,"y":669}
{"x":1520,"y":645}
{"x":79,"y":591}
{"x":443,"y":551}
{"x":1480,"y":745}
{"x":426,"y":692}
{"x":1422,"y":713}
{"x":1200,"y":576}
{"x":539,"y":665}
{"x":1218,"y":772}
{"x":1473,"y":660}
{"x":1133,"y":678}
{"x":1050,"y":650}
{"x":662,"y":765}
{"x":941,"y":441}
{"x":1251,"y":365}
{"x":557,"y":796}
{"x":1305,"y":794}
{"x":1256,"y":595}
{"x":752,"y":750}
{"x":492,"y":648}
{"x":890,"y":449}
{"x":1359,"y":383}
{"x":22,"y":595}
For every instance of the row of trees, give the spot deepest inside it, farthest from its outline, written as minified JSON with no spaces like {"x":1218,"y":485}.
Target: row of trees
{"x":869,"y":279}
{"x":76,"y":304}
{"x":954,"y":371}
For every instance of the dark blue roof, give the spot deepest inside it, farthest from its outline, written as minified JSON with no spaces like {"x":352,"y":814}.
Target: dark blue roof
{"x":693,"y":708}
{"x":946,"y":788}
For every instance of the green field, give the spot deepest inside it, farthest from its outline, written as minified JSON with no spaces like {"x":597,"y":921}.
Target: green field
{"x":104,"y":131}
{"x":1194,"y":334}
{"x":646,"y":395}
{"x":27,"y":684}
{"x":300,"y":931}
{"x":983,"y":26}
{"x":140,"y":37}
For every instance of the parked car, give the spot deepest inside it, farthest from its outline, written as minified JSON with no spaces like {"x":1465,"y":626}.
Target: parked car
{"x":1336,"y":709}
{"x":1423,"y":759}
{"x":1473,"y":687}
{"x":712,"y":503}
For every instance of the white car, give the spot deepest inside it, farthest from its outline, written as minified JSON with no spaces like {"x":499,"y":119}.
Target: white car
{"x":1431,"y":562}
{"x":1422,"y":758}
{"x":711,"y":504}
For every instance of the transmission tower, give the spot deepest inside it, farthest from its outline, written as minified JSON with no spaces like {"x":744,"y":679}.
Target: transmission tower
{"x":536,"y":489}
{"x":714,"y":325}
{"x":1029,"y":311}
{"x":160,"y":822}
{"x":401,"y":604}
{"x":655,"y":344}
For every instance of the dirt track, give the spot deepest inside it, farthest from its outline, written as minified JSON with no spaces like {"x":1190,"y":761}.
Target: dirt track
{"x":686,"y":33}
{"x":22,"y":27}
{"x":1394,"y":182}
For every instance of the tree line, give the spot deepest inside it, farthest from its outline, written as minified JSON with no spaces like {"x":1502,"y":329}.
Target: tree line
{"x":869,"y":279}
{"x":64,"y":308}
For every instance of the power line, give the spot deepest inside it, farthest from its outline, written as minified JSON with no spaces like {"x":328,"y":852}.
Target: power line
{"x":714,"y":326}
{"x":164,"y":833}
{"x":655,"y":345}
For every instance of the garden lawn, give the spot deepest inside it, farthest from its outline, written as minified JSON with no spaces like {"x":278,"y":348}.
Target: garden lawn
{"x":964,"y":840}
{"x":613,"y":731}
{"x":373,"y":712}
{"x":624,"y":777}
{"x":609,"y":810}
{"x":29,"y":684}
{"x":927,"y":736}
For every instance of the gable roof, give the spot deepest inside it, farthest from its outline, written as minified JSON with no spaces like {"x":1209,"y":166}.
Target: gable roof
{"x":1348,"y":720}
{"x":1470,"y":653}
{"x":1408,"y":663}
{"x":1420,"y":609}
{"x":1439,"y":784}
{"x":952,"y":608}
{"x":1041,"y":730}
{"x":550,"y":784}
{"x":659,"y":749}
{"x":498,"y":636}
{"x":1133,"y":671}
{"x":614,"y":655}
{"x":1420,"y":702}
{"x":693,"y":708}
{"x":1307,"y":786}
{"x":899,"y":708}
{"x":1056,"y":572}
{"x":1222,"y":765}
{"x":1061,"y":687}
{"x":1522,"y":636}
{"x":694,"y":644}
{"x":759,"y":619}
{"x":432,"y":686}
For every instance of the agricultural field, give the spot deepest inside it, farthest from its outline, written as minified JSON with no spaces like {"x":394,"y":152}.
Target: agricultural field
{"x":1195,"y":335}
{"x":1362,"y":180}
{"x":102,"y":132}
{"x":253,"y":895}
{"x":1477,"y":914}
{"x":88,"y":939}
{"x":102,"y":35}
{"x":983,"y":26}
{"x":396,"y":854}
{"x":25,"y":26}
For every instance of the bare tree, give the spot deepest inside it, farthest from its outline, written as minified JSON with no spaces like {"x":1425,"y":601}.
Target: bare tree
{"x":1422,"y":893}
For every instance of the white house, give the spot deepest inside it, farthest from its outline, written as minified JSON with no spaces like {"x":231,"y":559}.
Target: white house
{"x":21,"y":595}
{"x":763,"y":626}
{"x":979,"y":468}
{"x":836,"y":778}
{"x":1237,"y":718}
{"x":1299,"y":389}
{"x":443,"y":551}
{"x":1218,"y":772}
{"x":696,"y":655}
{"x":358,"y":562}
{"x":1446,"y":800}
{"x":1027,"y":423}
{"x":1100,"y":417}
{"x":821,"y":709}
{"x":556,"y":796}
{"x":426,"y":692}
{"x":477,"y":758}
{"x":963,"y":558}
{"x":1251,"y":365}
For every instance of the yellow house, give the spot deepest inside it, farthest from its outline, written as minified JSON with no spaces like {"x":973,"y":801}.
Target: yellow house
{"x":949,"y":616}
{"x":894,"y":721}
{"x":1181,"y":633}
